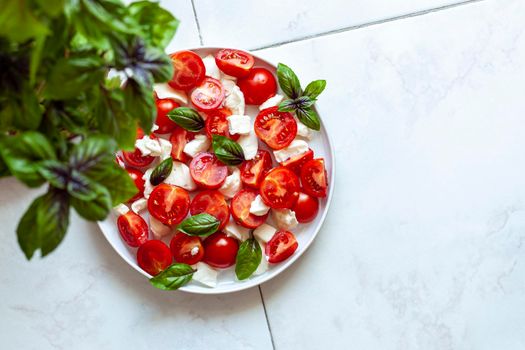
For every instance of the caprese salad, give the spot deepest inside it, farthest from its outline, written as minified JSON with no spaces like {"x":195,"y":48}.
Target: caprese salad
{"x":217,"y":187}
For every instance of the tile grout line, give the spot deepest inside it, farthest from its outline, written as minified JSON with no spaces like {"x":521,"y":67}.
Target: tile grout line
{"x":266,"y":316}
{"x":368,"y":24}
{"x":197,"y":22}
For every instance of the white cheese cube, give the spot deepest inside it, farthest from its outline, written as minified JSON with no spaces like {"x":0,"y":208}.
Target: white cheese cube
{"x":148,"y":146}
{"x":295,"y":148}
{"x":264,"y":233}
{"x":165,"y":149}
{"x":154,"y":128}
{"x":263,"y":266}
{"x":148,"y":187}
{"x":258,"y":207}
{"x":211,"y":67}
{"x":158,"y":229}
{"x":235,"y":101}
{"x":205,"y":275}
{"x":232,"y":184}
{"x":163,"y":90}
{"x":285,"y":218}
{"x":237,"y":231}
{"x":139,"y":205}
{"x":271,"y":102}
{"x":228,"y":85}
{"x":303,"y":130}
{"x":199,"y":144}
{"x":121,"y":209}
{"x":239,"y":124}
{"x":249,"y":144}
{"x":180,"y":176}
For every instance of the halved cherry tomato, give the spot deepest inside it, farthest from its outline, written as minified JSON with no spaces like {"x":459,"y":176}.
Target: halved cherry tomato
{"x":133,"y":229}
{"x":313,"y":178}
{"x":282,"y":245}
{"x":154,"y":256}
{"x":296,"y":163}
{"x":165,"y":124}
{"x":240,"y":209}
{"x":207,"y":171}
{"x":136,"y":176}
{"x":188,"y":70}
{"x":186,"y":249}
{"x":169,"y":204}
{"x":258,"y":86}
{"x":208,"y":95}
{"x":179,"y":138}
{"x":280,"y":188}
{"x":254,"y":170}
{"x":276,"y":129}
{"x":213,"y":203}
{"x":220,"y":250}
{"x":135,"y":158}
{"x":236,"y":63}
{"x":217,"y":123}
{"x":306,"y":208}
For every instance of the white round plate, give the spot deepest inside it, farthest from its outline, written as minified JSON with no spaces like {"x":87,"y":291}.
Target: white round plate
{"x":305,"y":233}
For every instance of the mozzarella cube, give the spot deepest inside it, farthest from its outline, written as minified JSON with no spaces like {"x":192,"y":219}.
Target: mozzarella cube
{"x":148,"y":146}
{"x":258,"y":207}
{"x":180,"y":176}
{"x":199,"y":144}
{"x":211,"y":67}
{"x":163,"y":90}
{"x":139,"y":205}
{"x":249,"y":144}
{"x":237,"y":231}
{"x":232,"y":184}
{"x":303,"y":130}
{"x":165,"y":149}
{"x":235,"y":101}
{"x":271,"y":102}
{"x":148,"y":187}
{"x":121,"y":209}
{"x":264,"y":233}
{"x":239,"y":124}
{"x":228,"y":85}
{"x":285,"y":218}
{"x":205,"y":275}
{"x":154,"y":128}
{"x":263,"y":266}
{"x":297,"y":147}
{"x":158,"y":229}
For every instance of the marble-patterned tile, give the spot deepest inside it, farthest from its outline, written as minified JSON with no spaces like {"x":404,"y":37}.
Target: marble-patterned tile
{"x":423,"y":246}
{"x":252,"y":24}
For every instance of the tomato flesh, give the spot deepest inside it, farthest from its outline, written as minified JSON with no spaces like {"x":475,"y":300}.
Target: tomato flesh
{"x":207,"y":171}
{"x":306,"y":208}
{"x":236,"y":63}
{"x":186,"y":249}
{"x":169,"y":204}
{"x":296,"y":163}
{"x":133,"y":229}
{"x":258,"y":86}
{"x":217,"y":124}
{"x":179,"y":138}
{"x":254,"y":170}
{"x":213,"y":203}
{"x":282,"y":245}
{"x":136,"y":176}
{"x":165,"y":124}
{"x":276,"y":129}
{"x":220,"y":250}
{"x":208,"y":95}
{"x":280,"y":188}
{"x":154,"y":256}
{"x":314,"y":178}
{"x":135,"y":158}
{"x":240,"y":209}
{"x":188,"y":70}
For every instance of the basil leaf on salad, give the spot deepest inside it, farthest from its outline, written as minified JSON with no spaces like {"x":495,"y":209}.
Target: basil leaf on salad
{"x":227,"y":151}
{"x":308,"y":117}
{"x":173,"y":277}
{"x":298,"y":103}
{"x":199,"y":225}
{"x":187,"y":118}
{"x":248,"y":258}
{"x":161,"y":171}
{"x":315,"y":88}
{"x":288,"y":81}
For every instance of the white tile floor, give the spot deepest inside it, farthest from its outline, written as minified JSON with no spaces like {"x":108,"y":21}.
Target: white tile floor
{"x":423,"y":247}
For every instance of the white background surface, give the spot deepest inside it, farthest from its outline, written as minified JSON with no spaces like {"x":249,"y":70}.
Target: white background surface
{"x":423,"y":247}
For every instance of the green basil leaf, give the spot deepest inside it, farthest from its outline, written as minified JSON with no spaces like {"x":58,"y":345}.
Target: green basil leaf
{"x":227,"y":151}
{"x":82,"y":187}
{"x":93,"y":156}
{"x":287,"y":106}
{"x":248,"y":258}
{"x":140,"y":100}
{"x":199,"y":225}
{"x":174,"y":277}
{"x":119,"y":184}
{"x":4,"y":170}
{"x":309,"y":117}
{"x":44,"y":224}
{"x":315,"y":88}
{"x":161,"y":171}
{"x":19,"y":23}
{"x":299,"y":103}
{"x":95,"y":209}
{"x":187,"y":118}
{"x":288,"y":81}
{"x":56,"y":173}
{"x":158,"y":26}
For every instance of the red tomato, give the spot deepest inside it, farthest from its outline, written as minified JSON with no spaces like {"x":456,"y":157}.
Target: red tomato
{"x":217,"y":123}
{"x":296,"y":163}
{"x":133,"y":229}
{"x":234,"y":62}
{"x":240,"y":209}
{"x":306,"y":208}
{"x":169,"y":204}
{"x":136,"y":176}
{"x":282,"y":245}
{"x":134,"y":158}
{"x":188,"y":70}
{"x":207,"y":171}
{"x":165,"y":124}
{"x":220,"y":250}
{"x":154,"y":256}
{"x":186,"y":249}
{"x":258,"y":86}
{"x":213,"y":203}
{"x":208,"y":95}
{"x":313,"y":178}
{"x":280,"y":188}
{"x":276,"y":129}
{"x":253,"y":171}
{"x":179,"y":138}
